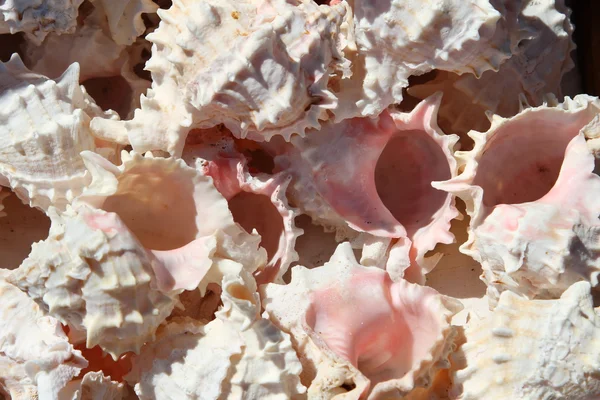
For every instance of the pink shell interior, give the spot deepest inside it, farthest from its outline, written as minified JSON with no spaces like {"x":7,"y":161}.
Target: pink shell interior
{"x":383,"y":328}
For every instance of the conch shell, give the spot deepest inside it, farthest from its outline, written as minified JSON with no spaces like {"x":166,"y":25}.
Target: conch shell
{"x":237,"y":355}
{"x":39,"y":160}
{"x":533,"y":200}
{"x":532,"y":349}
{"x":259,"y":67}
{"x":356,"y":331}
{"x":36,"y":359}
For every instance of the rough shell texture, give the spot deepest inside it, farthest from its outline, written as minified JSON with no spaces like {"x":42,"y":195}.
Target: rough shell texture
{"x":238,"y":355}
{"x":395,"y":40}
{"x":381,"y":183}
{"x":169,"y":206}
{"x":95,"y":386}
{"x":257,"y":200}
{"x":94,"y":275}
{"x":36,"y":359}
{"x":534,"y":215}
{"x":125,"y":18}
{"x":533,"y":349}
{"x":353,"y":327}
{"x":260,"y":67}
{"x":536,"y":69}
{"x":37,"y":18}
{"x":40,"y":159}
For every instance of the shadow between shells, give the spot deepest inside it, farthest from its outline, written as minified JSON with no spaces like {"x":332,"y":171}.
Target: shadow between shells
{"x":290,"y":199}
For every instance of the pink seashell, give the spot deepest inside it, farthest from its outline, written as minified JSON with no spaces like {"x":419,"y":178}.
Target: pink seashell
{"x":353,"y":326}
{"x":381,"y":182}
{"x":257,"y":201}
{"x":534,"y":215}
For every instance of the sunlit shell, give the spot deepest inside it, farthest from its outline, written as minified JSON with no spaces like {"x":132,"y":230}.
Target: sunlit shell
{"x":532,"y":349}
{"x":533,"y":200}
{"x":257,"y":200}
{"x":259,"y":67}
{"x":36,"y":359}
{"x":167,"y":206}
{"x":536,"y":69}
{"x":381,"y":182}
{"x":37,"y":18}
{"x":357,"y":331}
{"x":395,"y":40}
{"x":237,"y":355}
{"x":93,"y":274}
{"x":44,"y":125}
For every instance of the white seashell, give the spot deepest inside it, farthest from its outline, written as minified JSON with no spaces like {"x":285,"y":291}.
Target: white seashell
{"x":125,"y":18}
{"x":256,"y":200}
{"x":532,"y":349}
{"x":95,"y":386}
{"x":535,"y":70}
{"x":44,"y":126}
{"x":36,"y":359}
{"x":381,"y":182}
{"x":533,"y":200}
{"x":176,"y":212}
{"x":237,"y":355}
{"x":356,"y":331}
{"x":93,"y":274}
{"x":259,"y":67}
{"x":37,"y":18}
{"x":395,"y":40}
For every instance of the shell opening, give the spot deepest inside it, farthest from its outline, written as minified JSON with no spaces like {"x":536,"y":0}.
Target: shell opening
{"x":410,"y":161}
{"x":256,"y":211}
{"x":522,"y":161}
{"x":112,"y":92}
{"x":100,"y":361}
{"x":9,"y":44}
{"x":160,"y":210}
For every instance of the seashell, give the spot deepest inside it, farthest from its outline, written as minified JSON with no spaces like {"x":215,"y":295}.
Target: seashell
{"x":532,"y":349}
{"x":534,"y":215}
{"x":256,"y":200}
{"x":101,"y":60}
{"x":294,"y":42}
{"x":40,"y":159}
{"x":353,"y":189}
{"x":3,"y":194}
{"x":37,"y":18}
{"x":125,"y":18}
{"x":36,"y":359}
{"x":237,"y":355}
{"x":95,"y":386}
{"x":536,"y":69}
{"x":355,"y":328}
{"x":177,"y":213}
{"x":395,"y":40}
{"x":93,"y":274}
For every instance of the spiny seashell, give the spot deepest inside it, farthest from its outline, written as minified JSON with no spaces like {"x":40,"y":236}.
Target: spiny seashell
{"x":37,"y":18}
{"x":36,"y":359}
{"x":381,"y":183}
{"x":533,"y":349}
{"x":125,"y":18}
{"x":93,"y":274}
{"x":256,"y":200}
{"x":395,"y":40}
{"x":237,"y":355}
{"x":534,"y":213}
{"x":95,"y":386}
{"x":353,"y":326}
{"x":39,"y":158}
{"x":168,"y":205}
{"x":259,"y":67}
{"x":536,"y":69}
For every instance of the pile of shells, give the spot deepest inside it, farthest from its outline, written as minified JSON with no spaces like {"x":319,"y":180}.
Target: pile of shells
{"x":264,"y":199}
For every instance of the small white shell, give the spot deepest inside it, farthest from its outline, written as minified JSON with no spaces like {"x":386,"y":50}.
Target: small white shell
{"x":37,"y":18}
{"x":36,"y":358}
{"x":238,"y":355}
{"x":95,"y":386}
{"x":532,"y":349}
{"x":40,"y":158}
